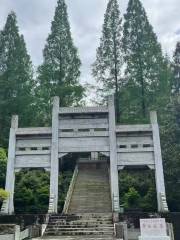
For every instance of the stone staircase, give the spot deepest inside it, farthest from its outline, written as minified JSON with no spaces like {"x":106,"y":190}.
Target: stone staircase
{"x":89,"y":214}
{"x":80,"y":226}
{"x":92,"y":190}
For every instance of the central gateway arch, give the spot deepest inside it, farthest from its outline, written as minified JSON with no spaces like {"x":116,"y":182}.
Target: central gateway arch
{"x":84,"y":129}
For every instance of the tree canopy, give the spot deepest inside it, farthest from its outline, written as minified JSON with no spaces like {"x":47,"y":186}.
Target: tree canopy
{"x":107,"y":69}
{"x":16,"y":77}
{"x":146,"y":68}
{"x":59,"y":74}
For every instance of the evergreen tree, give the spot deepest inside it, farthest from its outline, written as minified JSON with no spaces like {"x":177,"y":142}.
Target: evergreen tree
{"x":146,"y":67}
{"x":60,"y":71}
{"x":176,"y":70}
{"x":170,"y":141}
{"x":16,"y":77}
{"x":108,"y":64}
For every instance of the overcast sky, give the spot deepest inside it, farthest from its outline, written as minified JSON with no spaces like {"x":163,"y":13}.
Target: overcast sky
{"x":86,"y":19}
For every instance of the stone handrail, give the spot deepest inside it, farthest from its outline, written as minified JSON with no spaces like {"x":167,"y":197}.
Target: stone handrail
{"x":116,"y":203}
{"x":4,"y":207}
{"x":51,"y":204}
{"x":110,"y":185}
{"x":70,"y":190}
{"x":164,"y":206}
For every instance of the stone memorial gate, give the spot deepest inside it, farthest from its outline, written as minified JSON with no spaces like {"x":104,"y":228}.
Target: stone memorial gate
{"x":85,"y":130}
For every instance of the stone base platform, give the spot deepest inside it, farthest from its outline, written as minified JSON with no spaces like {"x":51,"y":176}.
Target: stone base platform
{"x":155,"y":238}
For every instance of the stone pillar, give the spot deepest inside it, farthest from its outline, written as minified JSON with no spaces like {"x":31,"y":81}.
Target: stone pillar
{"x":113,"y":156}
{"x":54,"y":173}
{"x":159,"y":174}
{"x":10,"y":172}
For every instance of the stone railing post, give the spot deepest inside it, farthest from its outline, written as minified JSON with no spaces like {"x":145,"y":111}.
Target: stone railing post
{"x":17,"y":232}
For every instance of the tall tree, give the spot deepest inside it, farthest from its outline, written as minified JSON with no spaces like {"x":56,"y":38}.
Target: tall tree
{"x":60,"y":71}
{"x":176,"y":70}
{"x":170,"y":141}
{"x":108,"y":64}
{"x":16,"y":77}
{"x":145,"y":64}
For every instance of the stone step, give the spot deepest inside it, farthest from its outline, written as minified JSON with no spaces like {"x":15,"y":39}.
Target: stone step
{"x":70,"y":221}
{"x":96,"y":220}
{"x":83,"y":216}
{"x":94,"y":189}
{"x":87,"y":219}
{"x":93,"y":196}
{"x":89,"y":208}
{"x":63,"y":227}
{"x":103,"y":237}
{"x":90,"y":214}
{"x":85,"y":224}
{"x":78,"y":232}
{"x":93,"y":203}
{"x":91,"y":192}
{"x":85,"y":210}
{"x":82,"y":221}
{"x":79,"y":228}
{"x":90,"y":205}
{"x":82,"y":225}
{"x":93,"y":180}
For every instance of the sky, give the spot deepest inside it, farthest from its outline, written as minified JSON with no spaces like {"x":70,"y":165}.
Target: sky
{"x":86,"y":19}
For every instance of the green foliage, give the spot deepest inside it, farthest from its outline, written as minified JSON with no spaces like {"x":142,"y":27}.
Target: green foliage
{"x":3,"y":163}
{"x":64,"y":181}
{"x":3,"y":156}
{"x":16,"y":80}
{"x":108,"y":64}
{"x":3,"y":195}
{"x":60,"y":71}
{"x":176,"y":70}
{"x":32,"y":191}
{"x":170,"y":138}
{"x":137,"y":189}
{"x":146,"y":68}
{"x":131,"y":198}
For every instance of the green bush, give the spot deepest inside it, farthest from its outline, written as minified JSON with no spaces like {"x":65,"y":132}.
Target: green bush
{"x":132,"y":198}
{"x":3,"y":194}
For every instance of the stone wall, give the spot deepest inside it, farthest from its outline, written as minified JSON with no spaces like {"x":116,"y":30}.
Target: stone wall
{"x":7,"y":231}
{"x":7,"y":237}
{"x":23,"y":220}
{"x":7,"y":228}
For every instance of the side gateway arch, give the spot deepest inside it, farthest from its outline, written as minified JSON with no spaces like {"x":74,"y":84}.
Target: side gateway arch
{"x":84,"y":129}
